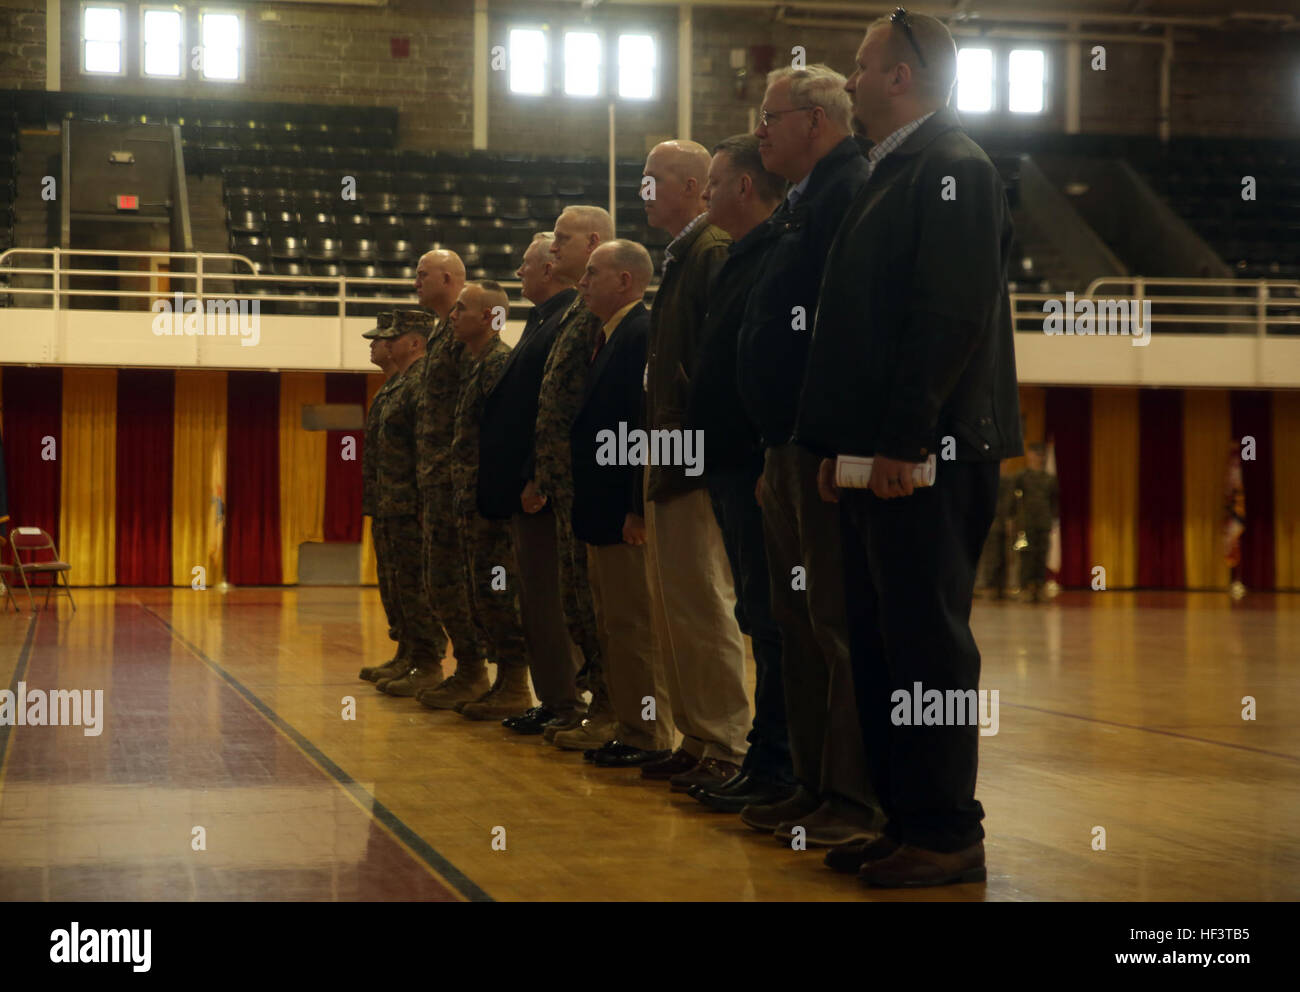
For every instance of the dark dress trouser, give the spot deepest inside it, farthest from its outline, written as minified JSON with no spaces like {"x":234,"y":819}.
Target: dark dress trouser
{"x":909,"y":576}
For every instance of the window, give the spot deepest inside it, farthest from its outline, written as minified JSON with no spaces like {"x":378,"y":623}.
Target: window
{"x":220,"y":36}
{"x":528,"y":61}
{"x":1026,"y":71}
{"x":582,"y":63}
{"x":975,"y":79}
{"x":162,"y":43}
{"x":636,"y":66}
{"x":101,"y":40}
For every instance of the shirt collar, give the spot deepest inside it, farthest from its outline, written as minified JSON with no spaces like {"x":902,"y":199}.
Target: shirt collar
{"x":612,"y":324}
{"x":797,"y":190}
{"x":685,"y":233}
{"x":889,"y":144}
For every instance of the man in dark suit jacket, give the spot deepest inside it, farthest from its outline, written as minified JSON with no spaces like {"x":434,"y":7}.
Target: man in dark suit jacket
{"x":505,"y":465}
{"x":912,"y":355}
{"x":607,"y":501}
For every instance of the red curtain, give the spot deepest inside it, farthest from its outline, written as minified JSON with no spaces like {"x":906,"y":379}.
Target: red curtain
{"x":1252,"y":416}
{"x":1068,"y":422}
{"x":1160,"y":489}
{"x":145,"y":415}
{"x":253,"y":478}
{"x":33,"y":411}
{"x":343,"y":477}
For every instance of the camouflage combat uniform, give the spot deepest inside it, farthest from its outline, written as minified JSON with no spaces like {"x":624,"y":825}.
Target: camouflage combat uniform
{"x":558,"y":403}
{"x":397,"y":515}
{"x":487,"y":545}
{"x":369,"y":504}
{"x":1037,"y":492}
{"x":445,"y":580}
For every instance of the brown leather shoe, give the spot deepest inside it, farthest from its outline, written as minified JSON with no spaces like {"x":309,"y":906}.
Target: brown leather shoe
{"x":710,"y":773}
{"x":676,"y":763}
{"x":849,"y":858}
{"x":833,"y":823}
{"x":910,"y":867}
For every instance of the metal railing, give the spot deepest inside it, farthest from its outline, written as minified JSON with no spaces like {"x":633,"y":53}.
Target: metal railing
{"x":1224,"y":306}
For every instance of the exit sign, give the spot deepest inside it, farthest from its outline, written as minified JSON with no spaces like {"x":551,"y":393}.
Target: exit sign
{"x":128,"y":203}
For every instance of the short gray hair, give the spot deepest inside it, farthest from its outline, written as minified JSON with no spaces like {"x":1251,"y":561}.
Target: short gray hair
{"x":595,"y":220}
{"x":632,"y":258}
{"x":818,"y":86}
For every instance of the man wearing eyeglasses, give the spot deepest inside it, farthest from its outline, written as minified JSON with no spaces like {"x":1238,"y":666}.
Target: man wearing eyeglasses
{"x":804,"y":135}
{"x":911,"y":356}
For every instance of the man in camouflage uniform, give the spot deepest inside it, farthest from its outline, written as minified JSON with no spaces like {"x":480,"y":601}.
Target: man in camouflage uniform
{"x":379,"y":356}
{"x":439,"y":280}
{"x":397,"y":499}
{"x":1038,"y":498}
{"x":578,"y":230}
{"x":993,"y":559}
{"x":476,"y":322}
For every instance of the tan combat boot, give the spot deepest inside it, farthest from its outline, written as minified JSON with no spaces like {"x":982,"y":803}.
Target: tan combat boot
{"x":391,"y":669}
{"x":469,"y":682}
{"x":508,"y":696}
{"x":424,"y":673}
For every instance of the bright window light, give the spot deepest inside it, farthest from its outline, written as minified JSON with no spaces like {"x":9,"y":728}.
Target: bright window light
{"x":162,"y":43}
{"x":221,"y":45}
{"x":975,"y":79}
{"x":581,"y":63}
{"x":1026,"y":71}
{"x":101,"y":39}
{"x":527,"y":61}
{"x":636,"y":66}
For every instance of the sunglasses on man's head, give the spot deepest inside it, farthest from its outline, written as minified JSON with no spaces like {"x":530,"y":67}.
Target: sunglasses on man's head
{"x":904,"y":20}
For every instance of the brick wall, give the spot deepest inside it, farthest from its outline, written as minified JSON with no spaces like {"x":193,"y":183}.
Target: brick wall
{"x":22,"y":44}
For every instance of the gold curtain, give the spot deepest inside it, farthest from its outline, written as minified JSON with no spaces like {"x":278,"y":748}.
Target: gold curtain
{"x":1033,"y":419}
{"x":1286,"y":484}
{"x":88,"y":473}
{"x":369,"y":571}
{"x":1115,"y":485}
{"x":302,"y":469}
{"x":198,"y":475}
{"x":1207,"y":432}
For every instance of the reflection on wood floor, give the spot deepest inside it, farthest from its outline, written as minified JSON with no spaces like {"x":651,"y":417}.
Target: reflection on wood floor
{"x":1117,"y":710}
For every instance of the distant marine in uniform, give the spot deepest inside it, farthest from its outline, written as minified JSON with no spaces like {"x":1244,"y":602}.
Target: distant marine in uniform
{"x":1037,"y":507}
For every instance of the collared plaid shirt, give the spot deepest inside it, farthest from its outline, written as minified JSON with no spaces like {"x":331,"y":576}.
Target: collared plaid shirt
{"x":893,"y":141}
{"x":668,"y":252}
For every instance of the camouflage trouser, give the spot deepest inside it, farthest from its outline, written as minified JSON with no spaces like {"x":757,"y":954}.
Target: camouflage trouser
{"x":444,"y":576}
{"x":492,"y":584}
{"x":400,"y":569}
{"x":379,"y":538}
{"x":576,"y":590}
{"x":1033,"y":559}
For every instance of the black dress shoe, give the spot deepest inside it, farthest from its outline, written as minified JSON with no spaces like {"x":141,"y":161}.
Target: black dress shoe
{"x":738,"y":781}
{"x":591,"y":752}
{"x":510,"y":721}
{"x":532,"y":722}
{"x":758,"y":792}
{"x":616,"y":754}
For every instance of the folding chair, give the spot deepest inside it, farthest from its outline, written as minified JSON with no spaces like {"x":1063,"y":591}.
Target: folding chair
{"x":7,"y":573}
{"x":34,"y":540}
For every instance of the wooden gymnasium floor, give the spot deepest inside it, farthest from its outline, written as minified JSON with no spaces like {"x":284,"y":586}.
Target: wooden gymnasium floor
{"x":1117,"y":710}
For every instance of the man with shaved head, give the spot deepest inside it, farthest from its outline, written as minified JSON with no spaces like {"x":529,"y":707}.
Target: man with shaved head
{"x":912,"y":357}
{"x":608,"y":506}
{"x":492,"y":585}
{"x":691,"y":589}
{"x":505,"y":450}
{"x":578,"y":230}
{"x":439,"y":278}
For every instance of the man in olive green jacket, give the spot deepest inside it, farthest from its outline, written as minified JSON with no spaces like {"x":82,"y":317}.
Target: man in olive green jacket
{"x":693,"y":602}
